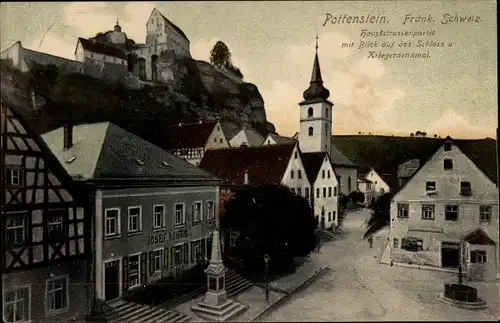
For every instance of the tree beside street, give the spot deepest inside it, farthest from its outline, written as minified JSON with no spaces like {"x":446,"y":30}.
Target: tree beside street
{"x":380,"y":216}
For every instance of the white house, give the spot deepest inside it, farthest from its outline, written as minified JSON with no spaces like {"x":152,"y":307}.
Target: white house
{"x":89,"y":51}
{"x":190,"y":141}
{"x":324,"y":188}
{"x":379,"y":185}
{"x":315,"y":133}
{"x":365,"y":186}
{"x":274,"y":138}
{"x":246,"y":136}
{"x":446,"y":215}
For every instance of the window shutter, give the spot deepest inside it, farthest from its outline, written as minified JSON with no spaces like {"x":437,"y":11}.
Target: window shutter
{"x":144,"y":268}
{"x":166,"y":264}
{"x":151,"y":262}
{"x":203,"y":246}
{"x":473,"y":256}
{"x":125,"y":274}
{"x":185,"y":248}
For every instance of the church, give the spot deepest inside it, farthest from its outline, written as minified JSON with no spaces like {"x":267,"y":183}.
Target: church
{"x":315,"y":135}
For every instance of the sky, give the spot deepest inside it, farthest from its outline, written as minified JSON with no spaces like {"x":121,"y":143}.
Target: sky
{"x":453,"y":92}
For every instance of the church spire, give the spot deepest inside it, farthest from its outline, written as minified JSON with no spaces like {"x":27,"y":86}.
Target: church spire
{"x":316,"y":90}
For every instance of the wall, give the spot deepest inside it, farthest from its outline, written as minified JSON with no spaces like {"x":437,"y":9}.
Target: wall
{"x":344,"y":173}
{"x":378,"y":183}
{"x":321,"y":121}
{"x":295,"y":164}
{"x":239,"y":139}
{"x":329,"y":203}
{"x":367,"y":189}
{"x":79,"y":289}
{"x":217,"y":138}
{"x":14,"y":52}
{"x":127,"y":244}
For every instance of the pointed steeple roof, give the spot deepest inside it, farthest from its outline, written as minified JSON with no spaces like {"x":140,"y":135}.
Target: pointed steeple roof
{"x":316,"y":91}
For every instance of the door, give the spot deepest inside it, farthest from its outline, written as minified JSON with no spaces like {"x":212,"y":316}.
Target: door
{"x":111,"y":280}
{"x":450,"y":254}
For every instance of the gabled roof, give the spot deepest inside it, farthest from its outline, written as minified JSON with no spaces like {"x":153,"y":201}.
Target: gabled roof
{"x":364,"y":171}
{"x":190,"y":135}
{"x":174,"y":26}
{"x":479,"y":237}
{"x":20,"y":109}
{"x":230,"y":129}
{"x":281,"y":139}
{"x":100,"y":48}
{"x":312,"y":163}
{"x":253,"y":137}
{"x":105,"y":151}
{"x":265,"y":164}
{"x":338,"y":159}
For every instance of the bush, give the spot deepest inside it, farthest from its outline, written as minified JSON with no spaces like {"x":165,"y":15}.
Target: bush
{"x":169,"y":288}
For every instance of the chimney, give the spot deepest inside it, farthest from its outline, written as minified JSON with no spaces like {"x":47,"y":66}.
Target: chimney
{"x":245,"y":181}
{"x":68,"y":136}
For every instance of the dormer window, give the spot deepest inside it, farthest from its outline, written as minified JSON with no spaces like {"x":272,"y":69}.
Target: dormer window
{"x":447,"y":164}
{"x":447,"y":146}
{"x":465,"y":189}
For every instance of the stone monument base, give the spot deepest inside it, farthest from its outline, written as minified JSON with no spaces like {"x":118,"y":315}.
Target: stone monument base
{"x":219,"y":313}
{"x":477,"y":305}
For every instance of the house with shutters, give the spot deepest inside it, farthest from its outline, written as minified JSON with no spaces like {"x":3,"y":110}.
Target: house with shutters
{"x":324,"y":188}
{"x":273,"y":164}
{"x":190,"y":141}
{"x":45,"y":240}
{"x":154,"y":213}
{"x":446,"y":215}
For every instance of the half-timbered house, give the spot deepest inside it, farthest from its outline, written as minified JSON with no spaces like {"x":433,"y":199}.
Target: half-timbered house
{"x":45,"y":230}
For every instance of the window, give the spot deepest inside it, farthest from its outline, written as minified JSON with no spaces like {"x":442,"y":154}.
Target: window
{"x":269,"y":142}
{"x":309,"y":112}
{"x":326,"y":112}
{"x":395,"y":243}
{"x":307,"y":193}
{"x":329,"y":216}
{"x":179,"y":214}
{"x":403,"y":210}
{"x":329,"y":192}
{"x":112,"y":222}
{"x":16,"y":230}
{"x":215,"y":139}
{"x":158,"y":216}
{"x":335,"y":191}
{"x":17,"y":305}
{"x":451,"y":212}
{"x":55,"y":223}
{"x":334,"y":215}
{"x":15,"y":177}
{"x":323,"y":173}
{"x":196,"y":212}
{"x":198,"y":250}
{"x":299,"y":174}
{"x":156,"y":260}
{"x":233,"y":238}
{"x":447,"y":146}
{"x":180,"y":255}
{"x":310,"y":131}
{"x":428,"y":212}
{"x":133,"y":271}
{"x":317,"y":193}
{"x":210,"y":210}
{"x":324,"y":191}
{"x":412,"y":244}
{"x":447,"y":164}
{"x":382,"y":191}
{"x":465,"y":189}
{"x":292,"y":174}
{"x":349,"y":184}
{"x":328,"y":173}
{"x":295,"y":154}
{"x":299,"y":191}
{"x":220,"y":140}
{"x":134,"y":218}
{"x":485,"y":213}
{"x":478,"y":257}
{"x":57,"y":294}
{"x":430,"y":186}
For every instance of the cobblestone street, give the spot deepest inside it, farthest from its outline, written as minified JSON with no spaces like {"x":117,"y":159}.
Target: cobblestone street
{"x":360,"y":288}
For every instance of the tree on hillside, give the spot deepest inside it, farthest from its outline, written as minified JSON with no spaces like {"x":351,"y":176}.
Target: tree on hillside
{"x":220,"y":55}
{"x":380,"y":215}
{"x":270,"y":220}
{"x":357,"y":197}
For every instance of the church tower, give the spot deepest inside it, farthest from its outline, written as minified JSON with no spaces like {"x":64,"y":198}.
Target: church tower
{"x":315,"y":133}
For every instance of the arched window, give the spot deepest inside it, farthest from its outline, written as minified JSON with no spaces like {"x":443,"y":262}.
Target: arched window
{"x":311,"y":131}
{"x":326,"y":112}
{"x":309,"y":112}
{"x":326,"y":129}
{"x":349,"y":184}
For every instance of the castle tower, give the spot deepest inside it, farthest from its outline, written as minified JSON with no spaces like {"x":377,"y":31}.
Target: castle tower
{"x":315,"y":114}
{"x":216,"y":306}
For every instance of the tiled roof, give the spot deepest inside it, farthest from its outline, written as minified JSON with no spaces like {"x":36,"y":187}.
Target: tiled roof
{"x":106,"y":151}
{"x":254,"y":138}
{"x":338,"y":159}
{"x":312,"y":163}
{"x":174,"y":26}
{"x":479,"y":237}
{"x":191,"y":135}
{"x":363,"y":171}
{"x":230,"y":129}
{"x":265,"y":164}
{"x":101,"y":48}
{"x":281,"y":139}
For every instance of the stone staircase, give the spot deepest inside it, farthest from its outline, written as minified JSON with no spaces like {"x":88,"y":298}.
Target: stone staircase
{"x":129,"y":312}
{"x":235,"y":284}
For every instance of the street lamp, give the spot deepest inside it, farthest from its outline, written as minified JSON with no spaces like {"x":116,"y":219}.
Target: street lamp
{"x":266,"y":260}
